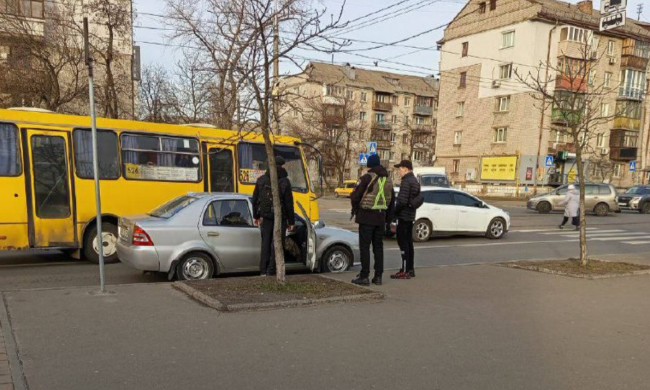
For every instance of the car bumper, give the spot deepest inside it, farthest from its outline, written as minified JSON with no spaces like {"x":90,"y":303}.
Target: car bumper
{"x":144,"y":258}
{"x":356,"y":252}
{"x":531,"y":205}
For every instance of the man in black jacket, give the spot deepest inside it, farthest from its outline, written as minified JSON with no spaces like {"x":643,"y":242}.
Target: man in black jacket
{"x":372,"y":204}
{"x":264,"y":216}
{"x":404,"y":211}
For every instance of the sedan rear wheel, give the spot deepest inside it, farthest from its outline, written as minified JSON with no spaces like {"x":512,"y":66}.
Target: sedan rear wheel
{"x":422,"y":230}
{"x":496,"y":229}
{"x":601,"y":209}
{"x":195,"y":266}
{"x":337,"y":259}
{"x":544,"y":207}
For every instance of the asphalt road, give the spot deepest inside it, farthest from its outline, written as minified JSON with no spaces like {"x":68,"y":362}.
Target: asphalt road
{"x":532,"y":236}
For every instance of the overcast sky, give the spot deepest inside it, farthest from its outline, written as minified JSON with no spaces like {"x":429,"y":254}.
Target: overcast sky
{"x":425,"y":16}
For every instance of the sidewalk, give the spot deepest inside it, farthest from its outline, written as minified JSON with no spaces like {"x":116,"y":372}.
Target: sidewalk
{"x":463,"y":327}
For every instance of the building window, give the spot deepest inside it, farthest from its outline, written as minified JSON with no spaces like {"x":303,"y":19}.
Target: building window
{"x":407,"y":102}
{"x":362,"y":116}
{"x":349,"y":95}
{"x":394,"y":100}
{"x":500,"y":134}
{"x":493,"y":5}
{"x":407,"y":120}
{"x":592,"y":77}
{"x":618,"y":169}
{"x":296,"y":91}
{"x":503,"y":104}
{"x":295,"y":113}
{"x":455,"y":167}
{"x":507,"y":39}
{"x":420,"y":120}
{"x":465,"y":49}
{"x":364,"y":97}
{"x":604,"y":110}
{"x":380,"y":98}
{"x":28,"y":8}
{"x":419,"y":155}
{"x":575,"y":34}
{"x":611,"y":45}
{"x":600,"y":140}
{"x":505,"y":71}
{"x":460,"y":109}
{"x":463,"y":80}
{"x":380,"y":118}
{"x":481,"y":8}
{"x":458,"y":137}
{"x":393,"y":137}
{"x":393,"y":119}
{"x":405,"y":138}
{"x":608,"y":79}
{"x":334,"y":90}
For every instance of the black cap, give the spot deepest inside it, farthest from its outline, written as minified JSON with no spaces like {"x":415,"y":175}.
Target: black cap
{"x":405,"y":164}
{"x":373,"y":161}
{"x":279,"y":161}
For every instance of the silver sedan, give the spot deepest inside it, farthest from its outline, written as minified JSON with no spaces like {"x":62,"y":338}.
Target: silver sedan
{"x":200,"y":235}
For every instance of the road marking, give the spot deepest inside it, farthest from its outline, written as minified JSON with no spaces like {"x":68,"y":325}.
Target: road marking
{"x":636,"y":242}
{"x":595,"y":235}
{"x":489,"y":244}
{"x":540,"y":230}
{"x":338,"y":210}
{"x":577,"y":232}
{"x":620,"y":238}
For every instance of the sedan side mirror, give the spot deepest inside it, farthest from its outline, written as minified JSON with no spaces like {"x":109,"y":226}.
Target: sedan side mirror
{"x":319,"y":225}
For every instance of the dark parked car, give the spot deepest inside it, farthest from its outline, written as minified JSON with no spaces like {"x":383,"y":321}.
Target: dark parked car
{"x":636,"y":198}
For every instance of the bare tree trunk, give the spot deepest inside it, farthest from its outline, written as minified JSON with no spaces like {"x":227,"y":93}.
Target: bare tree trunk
{"x":581,"y":215}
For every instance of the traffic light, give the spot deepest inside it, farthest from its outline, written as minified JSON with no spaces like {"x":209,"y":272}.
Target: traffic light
{"x":563,"y":155}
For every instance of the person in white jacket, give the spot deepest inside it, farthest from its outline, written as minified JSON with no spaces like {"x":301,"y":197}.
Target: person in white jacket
{"x":571,"y":203}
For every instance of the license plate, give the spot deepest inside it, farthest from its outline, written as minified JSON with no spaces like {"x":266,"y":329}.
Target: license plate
{"x":622,"y":204}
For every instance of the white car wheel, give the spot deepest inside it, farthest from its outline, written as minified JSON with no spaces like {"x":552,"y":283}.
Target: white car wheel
{"x":422,"y":230}
{"x":496,"y":229}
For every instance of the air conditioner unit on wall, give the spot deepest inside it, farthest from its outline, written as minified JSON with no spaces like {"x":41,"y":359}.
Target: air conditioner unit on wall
{"x":612,"y":60}
{"x":594,"y":55}
{"x":496,"y":83}
{"x":604,"y":151}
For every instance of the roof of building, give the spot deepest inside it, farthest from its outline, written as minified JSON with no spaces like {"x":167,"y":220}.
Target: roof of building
{"x":377,"y":80}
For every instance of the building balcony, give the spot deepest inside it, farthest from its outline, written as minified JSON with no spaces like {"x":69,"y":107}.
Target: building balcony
{"x":333,"y":100}
{"x":573,"y":84}
{"x":627,"y":123}
{"x":623,"y":154}
{"x":377,"y":125}
{"x":423,"y":110}
{"x":422,"y":129}
{"x":634,"y":62}
{"x":382,"y":106}
{"x":554,"y":147}
{"x":627,"y":92}
{"x":565,"y":117}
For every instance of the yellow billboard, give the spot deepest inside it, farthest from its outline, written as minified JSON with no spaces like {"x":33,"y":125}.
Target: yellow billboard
{"x":499,"y":168}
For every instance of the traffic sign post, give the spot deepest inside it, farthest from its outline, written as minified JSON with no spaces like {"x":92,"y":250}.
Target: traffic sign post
{"x":372,"y":147}
{"x":632,"y":166}
{"x":363,"y":159}
{"x":612,"y":14}
{"x":549,"y":161}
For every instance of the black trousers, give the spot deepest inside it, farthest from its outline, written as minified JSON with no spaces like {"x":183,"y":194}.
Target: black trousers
{"x":405,"y":242}
{"x":575,"y":221}
{"x":267,"y":260}
{"x":371,"y":235}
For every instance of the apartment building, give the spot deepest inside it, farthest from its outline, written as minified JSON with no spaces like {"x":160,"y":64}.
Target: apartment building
{"x":396,"y":111}
{"x":493,"y":130}
{"x":41,"y":54}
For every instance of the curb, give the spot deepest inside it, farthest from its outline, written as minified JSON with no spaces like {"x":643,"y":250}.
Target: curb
{"x":577,"y":276}
{"x":11,"y":372}
{"x":240,"y":307}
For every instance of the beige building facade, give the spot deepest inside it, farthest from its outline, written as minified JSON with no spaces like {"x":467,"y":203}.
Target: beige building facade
{"x":397,"y":111}
{"x":494,"y":130}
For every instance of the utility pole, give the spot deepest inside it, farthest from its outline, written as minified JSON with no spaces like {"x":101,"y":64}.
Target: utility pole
{"x":93,"y":127}
{"x":639,"y":11}
{"x":276,"y":67}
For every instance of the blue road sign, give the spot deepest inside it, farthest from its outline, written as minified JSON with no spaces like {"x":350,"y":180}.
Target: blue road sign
{"x":372,"y":147}
{"x":632,"y":166}
{"x":548,"y":162}
{"x":363,"y":159}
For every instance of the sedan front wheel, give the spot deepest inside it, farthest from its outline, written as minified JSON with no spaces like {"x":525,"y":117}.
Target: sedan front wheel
{"x":496,"y":229}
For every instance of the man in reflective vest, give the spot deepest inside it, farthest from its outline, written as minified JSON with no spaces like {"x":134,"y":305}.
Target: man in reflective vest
{"x":372,"y":204}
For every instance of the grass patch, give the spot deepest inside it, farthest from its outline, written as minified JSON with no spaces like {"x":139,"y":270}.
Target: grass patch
{"x":572,"y":267}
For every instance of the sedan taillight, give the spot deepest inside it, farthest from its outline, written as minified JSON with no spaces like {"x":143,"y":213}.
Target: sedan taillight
{"x":140,"y":237}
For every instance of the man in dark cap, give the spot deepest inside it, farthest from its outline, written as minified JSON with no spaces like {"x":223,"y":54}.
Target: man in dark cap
{"x":264,"y":215}
{"x":409,"y":188}
{"x":372,"y":204}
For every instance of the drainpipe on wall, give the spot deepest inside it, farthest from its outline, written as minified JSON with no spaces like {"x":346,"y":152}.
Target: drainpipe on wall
{"x":644,"y":151}
{"x":541,"y":120}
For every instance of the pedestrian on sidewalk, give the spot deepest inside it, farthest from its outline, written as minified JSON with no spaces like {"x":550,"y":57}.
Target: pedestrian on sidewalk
{"x":571,"y":203}
{"x":372,"y":206}
{"x":405,"y":210}
{"x":264,"y":215}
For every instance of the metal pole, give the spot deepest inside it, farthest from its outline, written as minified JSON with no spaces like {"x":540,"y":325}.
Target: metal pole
{"x":93,"y":126}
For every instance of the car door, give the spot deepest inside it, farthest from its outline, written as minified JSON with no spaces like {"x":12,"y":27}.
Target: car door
{"x":439,"y":208}
{"x":310,"y":259}
{"x":472,"y":217}
{"x":592,"y":196}
{"x":227,"y":227}
{"x":557,"y":196}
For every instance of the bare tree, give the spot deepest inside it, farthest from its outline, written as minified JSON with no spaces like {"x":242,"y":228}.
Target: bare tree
{"x":332,"y":125}
{"x":193,"y":91}
{"x":567,"y":87}
{"x":45,"y":63}
{"x":156,"y":102}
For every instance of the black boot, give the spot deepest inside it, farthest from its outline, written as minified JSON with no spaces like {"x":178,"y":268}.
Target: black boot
{"x":361,"y":281}
{"x":376,"y":280}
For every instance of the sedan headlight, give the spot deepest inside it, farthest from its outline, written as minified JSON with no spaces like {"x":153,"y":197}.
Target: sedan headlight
{"x":636,"y":199}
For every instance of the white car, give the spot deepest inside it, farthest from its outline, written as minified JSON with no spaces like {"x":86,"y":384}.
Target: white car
{"x":449,"y":211}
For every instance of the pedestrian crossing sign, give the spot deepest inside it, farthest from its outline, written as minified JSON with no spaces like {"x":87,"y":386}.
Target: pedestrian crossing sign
{"x":548,"y":162}
{"x":632,"y":166}
{"x":372,"y":148}
{"x":363,"y":159}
